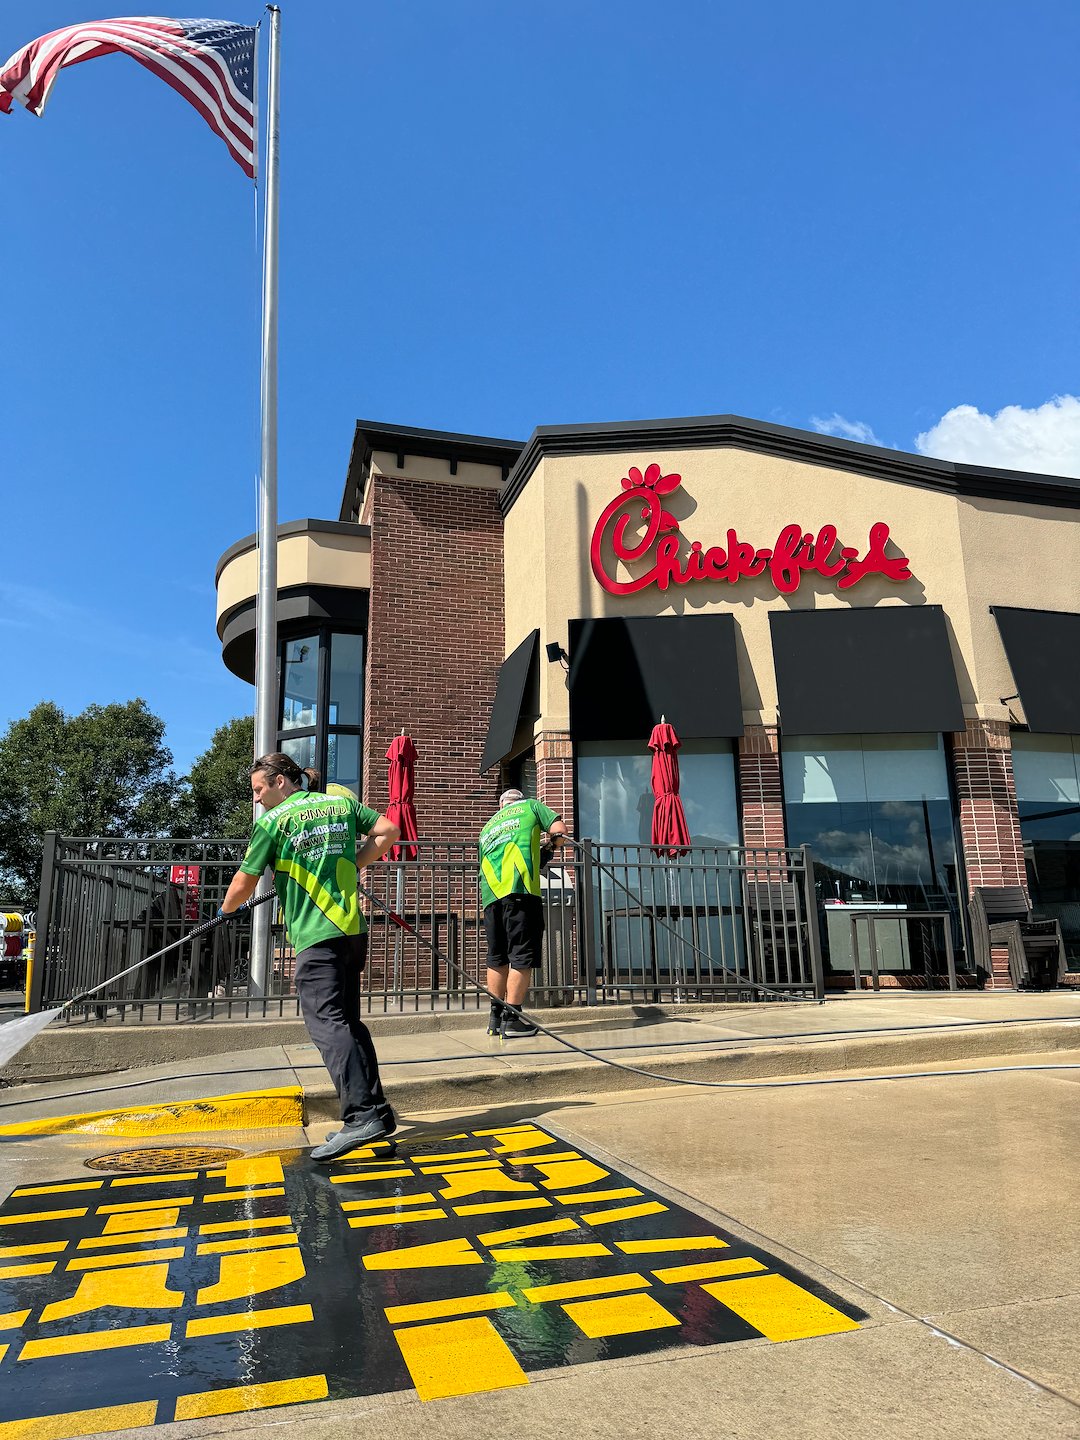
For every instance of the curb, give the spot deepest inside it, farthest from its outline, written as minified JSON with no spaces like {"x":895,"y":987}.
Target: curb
{"x":247,"y":1110}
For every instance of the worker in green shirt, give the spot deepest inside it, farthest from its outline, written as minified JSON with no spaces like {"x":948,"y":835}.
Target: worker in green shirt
{"x":509,"y":855}
{"x":309,"y":840}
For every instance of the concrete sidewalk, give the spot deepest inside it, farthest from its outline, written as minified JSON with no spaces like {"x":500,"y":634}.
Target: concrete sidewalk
{"x":450,"y":1064}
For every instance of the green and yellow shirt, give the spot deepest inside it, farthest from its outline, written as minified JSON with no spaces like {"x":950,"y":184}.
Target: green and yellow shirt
{"x":310,"y":841}
{"x":509,"y":850}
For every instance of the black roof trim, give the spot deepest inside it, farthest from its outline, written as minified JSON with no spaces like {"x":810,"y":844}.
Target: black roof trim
{"x":404,"y":440}
{"x":293,"y":527}
{"x":714,"y":431}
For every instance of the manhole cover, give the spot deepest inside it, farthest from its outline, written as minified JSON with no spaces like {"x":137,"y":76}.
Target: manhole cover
{"x":179,"y":1157}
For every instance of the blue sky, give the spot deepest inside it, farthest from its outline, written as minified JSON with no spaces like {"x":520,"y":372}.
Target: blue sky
{"x":498,"y":215}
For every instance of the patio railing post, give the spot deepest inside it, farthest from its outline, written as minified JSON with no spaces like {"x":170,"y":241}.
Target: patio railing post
{"x":813,"y":934}
{"x":44,"y":919}
{"x":587,"y":924}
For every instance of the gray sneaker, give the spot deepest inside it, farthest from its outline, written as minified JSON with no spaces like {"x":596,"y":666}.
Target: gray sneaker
{"x":351,"y":1137}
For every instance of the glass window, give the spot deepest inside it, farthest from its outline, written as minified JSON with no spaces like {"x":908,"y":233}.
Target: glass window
{"x":876,"y":812}
{"x":343,"y":761}
{"x":1047,"y":771}
{"x":300,"y":683}
{"x":301,"y":748}
{"x":346,"y":680}
{"x":615,"y":798}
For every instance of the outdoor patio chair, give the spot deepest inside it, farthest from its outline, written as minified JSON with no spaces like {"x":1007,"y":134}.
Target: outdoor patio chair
{"x":1002,"y":916}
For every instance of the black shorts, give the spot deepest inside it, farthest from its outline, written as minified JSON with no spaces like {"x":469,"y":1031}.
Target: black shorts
{"x":514,"y":927}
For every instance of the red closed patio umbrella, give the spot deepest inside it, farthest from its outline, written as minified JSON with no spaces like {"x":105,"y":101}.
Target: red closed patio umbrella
{"x":670,"y":832}
{"x":401,"y":810}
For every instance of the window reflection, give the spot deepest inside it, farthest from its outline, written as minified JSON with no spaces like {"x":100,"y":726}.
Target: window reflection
{"x":346,"y":679}
{"x":343,"y":761}
{"x":1047,"y":771}
{"x":615,"y":798}
{"x":876,"y":812}
{"x":300,"y":683}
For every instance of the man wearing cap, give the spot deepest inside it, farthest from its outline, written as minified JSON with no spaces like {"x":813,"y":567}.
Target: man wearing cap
{"x":509,"y":854}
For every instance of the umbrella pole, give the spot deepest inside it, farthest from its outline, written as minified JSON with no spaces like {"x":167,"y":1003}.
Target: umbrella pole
{"x":674,"y":898}
{"x":399,"y":899}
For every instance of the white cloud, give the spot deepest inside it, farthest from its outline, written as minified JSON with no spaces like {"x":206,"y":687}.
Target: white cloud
{"x":845,"y":429}
{"x":1045,"y":439}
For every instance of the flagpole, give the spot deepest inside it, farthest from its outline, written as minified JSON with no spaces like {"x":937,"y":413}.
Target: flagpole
{"x":266,"y":680}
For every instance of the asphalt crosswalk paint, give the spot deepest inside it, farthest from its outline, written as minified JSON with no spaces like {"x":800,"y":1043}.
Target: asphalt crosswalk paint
{"x":467,"y":1263}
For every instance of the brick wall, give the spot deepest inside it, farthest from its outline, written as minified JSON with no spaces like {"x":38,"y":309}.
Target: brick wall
{"x":758,"y":757}
{"x":435,"y":644}
{"x":986,"y":798}
{"x":555,"y":773}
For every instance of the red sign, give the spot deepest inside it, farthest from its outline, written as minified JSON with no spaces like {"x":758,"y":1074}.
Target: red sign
{"x":188,"y":877}
{"x":663,"y":548}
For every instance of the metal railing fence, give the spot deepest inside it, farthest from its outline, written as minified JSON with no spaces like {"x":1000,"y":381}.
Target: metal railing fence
{"x":622,"y":923}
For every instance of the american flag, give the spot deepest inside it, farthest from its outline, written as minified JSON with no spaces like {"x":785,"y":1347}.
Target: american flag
{"x":209,"y":62}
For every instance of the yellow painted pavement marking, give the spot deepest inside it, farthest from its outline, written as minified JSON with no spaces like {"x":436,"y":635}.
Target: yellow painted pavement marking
{"x":132,"y":1237}
{"x":360,"y":1222}
{"x":253,"y":1273}
{"x":502,"y":1130}
{"x":254,"y":1170}
{"x":424,"y":1198}
{"x":251,"y":1397}
{"x":625,"y":1212}
{"x":127,"y":1221}
{"x":38,"y":1216}
{"x":620,"y":1315}
{"x":146,"y":1288}
{"x":475,"y":1182}
{"x":155,"y":1179}
{"x":428,"y":1169}
{"x":81,"y":1422}
{"x":244,"y":1195}
{"x":561,"y":1158}
{"x":253,"y":1242}
{"x":364,"y":1175}
{"x":95,"y":1340}
{"x":571,"y":1174}
{"x":500,"y":1205}
{"x":513,"y":1143}
{"x":224,"y":1227}
{"x":13,"y":1319}
{"x":779,"y":1308}
{"x":250,"y":1110}
{"x":589,"y":1198}
{"x":56,"y":1189}
{"x":452,"y":1155}
{"x":677,"y":1274}
{"x":600,"y":1285}
{"x":422,"y":1257}
{"x":249,"y":1320}
{"x":528,"y":1232}
{"x":47,"y":1247}
{"x":125,"y":1257}
{"x":126,"y":1207}
{"x":678,"y":1242}
{"x":460,"y":1357}
{"x":549,"y":1252}
{"x":457,"y":1305}
{"x":14,"y":1272}
{"x":3,"y":1350}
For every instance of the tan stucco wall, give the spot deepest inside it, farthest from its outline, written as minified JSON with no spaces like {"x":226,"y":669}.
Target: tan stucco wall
{"x":957,"y":550}
{"x":425,"y":467}
{"x":310,"y":558}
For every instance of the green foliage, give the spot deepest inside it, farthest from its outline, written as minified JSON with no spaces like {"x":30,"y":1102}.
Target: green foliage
{"x":217,"y":796}
{"x":104,"y":772}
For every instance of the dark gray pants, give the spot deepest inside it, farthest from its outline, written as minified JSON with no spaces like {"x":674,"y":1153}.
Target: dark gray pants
{"x":328,"y":984}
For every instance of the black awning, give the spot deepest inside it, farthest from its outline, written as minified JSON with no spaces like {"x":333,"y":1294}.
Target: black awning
{"x":626,"y":673}
{"x":519,"y":679}
{"x":1043,"y":649}
{"x":872,"y":671}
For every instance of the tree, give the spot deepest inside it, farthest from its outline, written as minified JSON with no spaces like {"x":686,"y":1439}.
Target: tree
{"x":106,"y":771}
{"x":217,"y":795}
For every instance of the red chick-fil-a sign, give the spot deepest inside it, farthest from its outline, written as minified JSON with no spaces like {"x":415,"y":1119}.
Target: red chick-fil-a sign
{"x":661,"y":546}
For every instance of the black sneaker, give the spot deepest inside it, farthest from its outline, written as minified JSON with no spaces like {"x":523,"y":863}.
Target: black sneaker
{"x":495,"y":1019}
{"x":352,"y":1137}
{"x":516,"y":1027}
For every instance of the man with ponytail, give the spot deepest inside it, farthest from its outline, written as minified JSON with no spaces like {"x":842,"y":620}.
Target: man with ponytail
{"x":309,"y":839}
